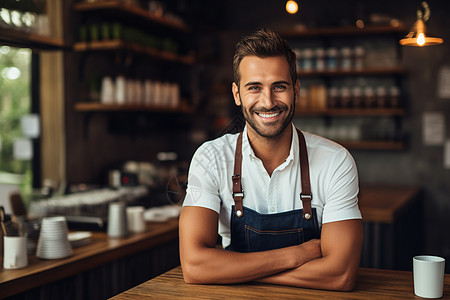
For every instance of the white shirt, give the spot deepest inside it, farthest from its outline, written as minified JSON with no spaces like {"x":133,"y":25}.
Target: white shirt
{"x":333,"y":176}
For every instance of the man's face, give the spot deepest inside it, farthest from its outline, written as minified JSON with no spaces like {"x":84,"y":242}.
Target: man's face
{"x":266,"y":94}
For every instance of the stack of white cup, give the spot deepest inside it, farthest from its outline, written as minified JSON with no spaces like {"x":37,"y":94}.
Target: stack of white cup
{"x":53,"y":240}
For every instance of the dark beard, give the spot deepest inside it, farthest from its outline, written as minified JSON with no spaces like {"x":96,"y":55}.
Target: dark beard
{"x":287,"y":121}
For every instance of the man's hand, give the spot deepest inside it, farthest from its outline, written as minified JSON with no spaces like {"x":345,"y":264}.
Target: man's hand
{"x":310,"y":250}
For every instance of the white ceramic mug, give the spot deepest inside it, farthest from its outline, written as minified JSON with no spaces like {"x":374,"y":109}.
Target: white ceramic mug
{"x":135,"y":218}
{"x":15,"y":252}
{"x":428,"y":272}
{"x":117,"y":220}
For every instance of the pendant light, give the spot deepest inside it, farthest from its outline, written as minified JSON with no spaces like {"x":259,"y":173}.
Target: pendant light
{"x":291,"y":7}
{"x":417,"y":37}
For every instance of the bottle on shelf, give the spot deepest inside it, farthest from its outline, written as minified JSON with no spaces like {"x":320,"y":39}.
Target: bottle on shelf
{"x":369,"y":97}
{"x":304,"y":99}
{"x":107,"y":90}
{"x":357,"y":99}
{"x":394,"y":97}
{"x":333,"y":97}
{"x":346,"y":59}
{"x":307,"y":55}
{"x":381,"y":97}
{"x":358,"y":58}
{"x":320,"y":62}
{"x":344,"y":97}
{"x":121,"y":90}
{"x":332,"y":58}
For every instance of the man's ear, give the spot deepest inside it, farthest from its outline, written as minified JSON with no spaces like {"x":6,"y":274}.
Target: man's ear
{"x":236,"y":96}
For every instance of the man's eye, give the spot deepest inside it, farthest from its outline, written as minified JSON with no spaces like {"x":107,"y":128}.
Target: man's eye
{"x":254,"y":88}
{"x":279,"y":87}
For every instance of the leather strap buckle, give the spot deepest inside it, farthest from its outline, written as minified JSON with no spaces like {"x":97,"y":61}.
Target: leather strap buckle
{"x":238,"y":194}
{"x":305,"y":196}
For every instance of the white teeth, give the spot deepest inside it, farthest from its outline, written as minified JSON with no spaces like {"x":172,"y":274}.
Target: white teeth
{"x":269,"y":115}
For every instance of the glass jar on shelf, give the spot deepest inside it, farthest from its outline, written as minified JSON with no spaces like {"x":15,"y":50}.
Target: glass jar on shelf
{"x":346,"y":59}
{"x":333,"y":97}
{"x":381,"y":97}
{"x":369,"y":97}
{"x":345,"y":97}
{"x":332,"y":59}
{"x":394,"y":97}
{"x":358,"y":58}
{"x":320,"y":62}
{"x":307,"y":55}
{"x":357,"y":100}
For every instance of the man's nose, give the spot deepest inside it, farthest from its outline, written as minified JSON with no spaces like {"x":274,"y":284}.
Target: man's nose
{"x":267,"y":99}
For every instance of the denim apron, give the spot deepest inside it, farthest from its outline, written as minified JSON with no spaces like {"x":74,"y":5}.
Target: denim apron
{"x":252,"y":231}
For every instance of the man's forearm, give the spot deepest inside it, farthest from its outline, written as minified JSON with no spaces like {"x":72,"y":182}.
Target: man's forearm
{"x":317,"y":274}
{"x":211,"y":265}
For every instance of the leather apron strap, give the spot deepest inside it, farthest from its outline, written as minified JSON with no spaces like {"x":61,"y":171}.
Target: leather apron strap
{"x":238,"y":192}
{"x":305,"y":195}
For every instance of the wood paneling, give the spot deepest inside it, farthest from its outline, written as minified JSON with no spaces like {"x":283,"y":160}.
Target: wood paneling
{"x":52,"y":116}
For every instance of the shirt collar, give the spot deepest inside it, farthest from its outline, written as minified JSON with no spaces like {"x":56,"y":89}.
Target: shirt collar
{"x":247,"y":150}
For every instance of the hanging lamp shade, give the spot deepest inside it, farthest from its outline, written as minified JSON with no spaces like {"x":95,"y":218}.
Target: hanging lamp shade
{"x":417,"y":36}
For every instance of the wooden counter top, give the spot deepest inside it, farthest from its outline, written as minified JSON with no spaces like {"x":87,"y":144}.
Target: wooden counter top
{"x":384,"y":204}
{"x":100,"y":251}
{"x":371,"y":284}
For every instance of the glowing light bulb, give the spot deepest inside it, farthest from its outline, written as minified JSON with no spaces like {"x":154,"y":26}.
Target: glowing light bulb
{"x":291,"y":7}
{"x":421,"y":39}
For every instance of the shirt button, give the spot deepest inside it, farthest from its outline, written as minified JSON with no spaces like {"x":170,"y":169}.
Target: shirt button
{"x":272,"y":209}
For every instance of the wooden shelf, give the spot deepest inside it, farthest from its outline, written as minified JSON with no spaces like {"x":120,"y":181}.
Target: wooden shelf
{"x":17,"y":38}
{"x":373,"y":145}
{"x":131,"y":11}
{"x":343,"y":31}
{"x":367,"y":112}
{"x":363,"y":72}
{"x":100,"y":107}
{"x":108,"y":45}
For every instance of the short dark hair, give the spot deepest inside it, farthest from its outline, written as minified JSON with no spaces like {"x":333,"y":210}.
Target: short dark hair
{"x":264,"y":43}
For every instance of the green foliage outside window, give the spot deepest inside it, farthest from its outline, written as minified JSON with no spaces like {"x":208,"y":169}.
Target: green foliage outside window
{"x":15,"y":67}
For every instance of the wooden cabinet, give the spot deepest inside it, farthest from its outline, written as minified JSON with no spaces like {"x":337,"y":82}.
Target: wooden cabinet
{"x":335,"y":84}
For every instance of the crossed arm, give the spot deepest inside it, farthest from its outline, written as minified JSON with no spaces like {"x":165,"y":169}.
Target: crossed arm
{"x":328,"y":263}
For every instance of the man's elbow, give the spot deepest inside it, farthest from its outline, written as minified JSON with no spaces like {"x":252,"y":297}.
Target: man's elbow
{"x":192,"y":275}
{"x":189,"y":278}
{"x":346,"y":282}
{"x":188,"y":274}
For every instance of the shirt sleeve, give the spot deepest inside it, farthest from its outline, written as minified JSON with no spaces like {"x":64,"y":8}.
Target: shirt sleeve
{"x":203,"y":184}
{"x":342,"y":190}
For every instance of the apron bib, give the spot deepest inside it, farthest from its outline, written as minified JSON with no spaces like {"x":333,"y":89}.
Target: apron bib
{"x":252,"y":231}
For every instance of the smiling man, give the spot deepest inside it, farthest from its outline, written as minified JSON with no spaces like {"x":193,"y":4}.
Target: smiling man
{"x":284,"y":201}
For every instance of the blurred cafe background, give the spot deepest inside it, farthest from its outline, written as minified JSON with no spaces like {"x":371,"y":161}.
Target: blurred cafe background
{"x":107,"y":100}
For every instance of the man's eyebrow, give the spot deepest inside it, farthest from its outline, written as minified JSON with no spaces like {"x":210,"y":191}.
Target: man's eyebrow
{"x":274,"y":83}
{"x":253,"y":83}
{"x":281,"y":82}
